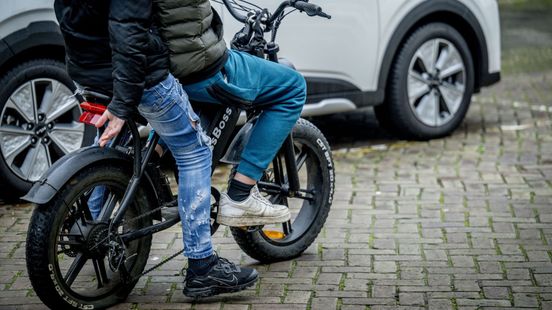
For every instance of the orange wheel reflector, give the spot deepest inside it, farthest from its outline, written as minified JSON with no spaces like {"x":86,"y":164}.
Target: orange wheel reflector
{"x":273,"y":234}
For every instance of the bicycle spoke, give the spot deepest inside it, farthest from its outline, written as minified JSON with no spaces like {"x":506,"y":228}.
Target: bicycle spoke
{"x":305,"y":194}
{"x":301,"y":159}
{"x":107,"y":209}
{"x":84,"y":213}
{"x":288,"y":229}
{"x":278,"y":170}
{"x":64,"y":251}
{"x":69,"y":242}
{"x":75,"y":268}
{"x":101,"y":274}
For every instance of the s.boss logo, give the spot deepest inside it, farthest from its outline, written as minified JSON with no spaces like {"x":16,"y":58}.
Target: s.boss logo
{"x":217,"y":131}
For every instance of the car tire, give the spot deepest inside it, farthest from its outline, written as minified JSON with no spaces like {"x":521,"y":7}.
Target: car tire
{"x":38,"y":123}
{"x":430,"y":86}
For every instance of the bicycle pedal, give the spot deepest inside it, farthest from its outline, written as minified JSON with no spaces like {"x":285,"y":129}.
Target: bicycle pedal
{"x":251,"y":229}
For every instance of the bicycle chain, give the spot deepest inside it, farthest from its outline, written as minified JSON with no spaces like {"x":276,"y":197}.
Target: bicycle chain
{"x":166,"y":260}
{"x":163,"y":262}
{"x":171,"y":204}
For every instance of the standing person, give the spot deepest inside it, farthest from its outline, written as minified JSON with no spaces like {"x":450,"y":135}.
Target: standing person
{"x":114,"y":47}
{"x":200,"y":59}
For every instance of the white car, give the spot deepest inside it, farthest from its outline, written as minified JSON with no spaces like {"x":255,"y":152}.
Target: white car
{"x":418,"y":62}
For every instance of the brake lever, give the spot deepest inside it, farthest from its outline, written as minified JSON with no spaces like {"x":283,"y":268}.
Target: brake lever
{"x":324,"y":15}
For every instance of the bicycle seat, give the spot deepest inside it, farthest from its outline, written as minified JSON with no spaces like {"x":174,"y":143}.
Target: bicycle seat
{"x":94,"y":96}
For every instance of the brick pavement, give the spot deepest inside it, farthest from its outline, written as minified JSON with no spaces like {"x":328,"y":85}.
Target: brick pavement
{"x":457,"y":223}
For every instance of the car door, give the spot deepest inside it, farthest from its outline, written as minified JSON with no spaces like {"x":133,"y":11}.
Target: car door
{"x":341,"y":51}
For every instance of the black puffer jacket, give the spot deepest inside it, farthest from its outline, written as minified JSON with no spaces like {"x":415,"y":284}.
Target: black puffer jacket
{"x":114,"y":47}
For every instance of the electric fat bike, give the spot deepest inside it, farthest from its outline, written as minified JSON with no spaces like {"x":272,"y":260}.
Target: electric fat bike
{"x":79,"y":260}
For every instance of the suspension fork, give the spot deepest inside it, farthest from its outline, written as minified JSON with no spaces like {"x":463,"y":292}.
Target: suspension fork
{"x":287,"y":147}
{"x":291,"y":165}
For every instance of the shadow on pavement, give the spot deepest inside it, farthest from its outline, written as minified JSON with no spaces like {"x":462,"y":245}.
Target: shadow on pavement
{"x":353,"y":129}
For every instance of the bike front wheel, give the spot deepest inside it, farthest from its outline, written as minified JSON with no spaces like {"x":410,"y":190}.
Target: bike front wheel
{"x":72,"y":260}
{"x":309,"y":209}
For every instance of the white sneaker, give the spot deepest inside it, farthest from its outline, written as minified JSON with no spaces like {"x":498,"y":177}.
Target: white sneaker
{"x":253,"y":211}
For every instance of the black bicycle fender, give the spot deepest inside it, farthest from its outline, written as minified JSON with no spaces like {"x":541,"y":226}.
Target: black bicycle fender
{"x":66,"y":167}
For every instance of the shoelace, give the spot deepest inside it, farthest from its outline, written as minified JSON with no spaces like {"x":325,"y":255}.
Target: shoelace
{"x":262,"y":198}
{"x":227,"y":265}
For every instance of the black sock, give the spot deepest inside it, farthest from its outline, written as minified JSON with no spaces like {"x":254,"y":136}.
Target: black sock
{"x":201,"y":266}
{"x":239,"y":191}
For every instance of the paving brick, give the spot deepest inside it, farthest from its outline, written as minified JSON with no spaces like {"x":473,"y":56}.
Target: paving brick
{"x":496,"y":292}
{"x":384,"y":267}
{"x":440,"y":304}
{"x":384,"y":291}
{"x":525,"y":300}
{"x":462,"y":261}
{"x":411,"y":299}
{"x":518,"y":274}
{"x":544,"y":279}
{"x":297,"y":297}
{"x":324,"y":303}
{"x":329,"y":278}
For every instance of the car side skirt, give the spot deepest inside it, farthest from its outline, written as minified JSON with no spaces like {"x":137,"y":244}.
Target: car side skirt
{"x":321,"y":90}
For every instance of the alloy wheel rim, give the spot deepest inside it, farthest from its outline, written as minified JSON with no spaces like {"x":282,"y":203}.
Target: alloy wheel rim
{"x":37,"y":126}
{"x":436,"y":82}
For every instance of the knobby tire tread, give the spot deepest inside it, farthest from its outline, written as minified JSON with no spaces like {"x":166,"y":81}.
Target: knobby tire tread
{"x":252,"y":242}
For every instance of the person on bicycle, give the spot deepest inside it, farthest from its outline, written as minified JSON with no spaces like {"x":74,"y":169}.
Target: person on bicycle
{"x":114,"y":47}
{"x":209,"y":71}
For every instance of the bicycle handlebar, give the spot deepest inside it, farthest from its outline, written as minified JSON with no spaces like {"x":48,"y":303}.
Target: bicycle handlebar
{"x":240,"y":17}
{"x":309,"y":8}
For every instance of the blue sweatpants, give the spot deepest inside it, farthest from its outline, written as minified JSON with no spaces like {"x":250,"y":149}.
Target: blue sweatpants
{"x":278,"y":90}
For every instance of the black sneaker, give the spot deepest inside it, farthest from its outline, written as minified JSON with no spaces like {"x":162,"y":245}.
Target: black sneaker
{"x":224,"y":277}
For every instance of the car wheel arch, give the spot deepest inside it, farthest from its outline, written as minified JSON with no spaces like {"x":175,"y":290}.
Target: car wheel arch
{"x":39,"y":40}
{"x":452,"y":13}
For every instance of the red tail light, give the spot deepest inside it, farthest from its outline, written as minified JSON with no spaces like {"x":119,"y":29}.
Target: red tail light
{"x":91,"y":113}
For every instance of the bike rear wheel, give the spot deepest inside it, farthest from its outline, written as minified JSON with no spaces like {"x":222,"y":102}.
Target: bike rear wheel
{"x":72,"y":261}
{"x":308,"y":212}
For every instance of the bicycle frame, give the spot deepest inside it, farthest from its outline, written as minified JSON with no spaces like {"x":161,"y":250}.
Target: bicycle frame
{"x":220,"y":129}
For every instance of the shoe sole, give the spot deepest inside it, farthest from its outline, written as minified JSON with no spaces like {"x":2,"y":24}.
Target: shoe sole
{"x":216,"y":290}
{"x":253,"y":221}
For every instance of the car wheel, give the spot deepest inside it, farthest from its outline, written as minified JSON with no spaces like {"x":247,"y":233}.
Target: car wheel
{"x":38,"y":122}
{"x":430,"y":86}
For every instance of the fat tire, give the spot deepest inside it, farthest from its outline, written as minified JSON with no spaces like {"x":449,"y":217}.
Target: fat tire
{"x":42,"y":236}
{"x":255,"y":244}
{"x":10,"y":81}
{"x":395,"y":114}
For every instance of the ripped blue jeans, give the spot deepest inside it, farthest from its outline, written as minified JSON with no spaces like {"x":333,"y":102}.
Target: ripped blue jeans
{"x":167,"y":109}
